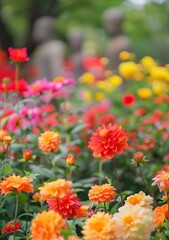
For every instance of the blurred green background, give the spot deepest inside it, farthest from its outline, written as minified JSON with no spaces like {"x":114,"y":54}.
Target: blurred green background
{"x":146,"y":22}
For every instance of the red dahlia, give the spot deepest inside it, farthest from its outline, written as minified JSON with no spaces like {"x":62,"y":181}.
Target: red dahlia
{"x":108,"y":140}
{"x":65,"y":206}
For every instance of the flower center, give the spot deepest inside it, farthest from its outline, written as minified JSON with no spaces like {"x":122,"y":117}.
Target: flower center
{"x":128,"y":219}
{"x":103,"y":132}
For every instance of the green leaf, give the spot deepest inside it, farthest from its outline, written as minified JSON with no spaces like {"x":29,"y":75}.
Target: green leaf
{"x":7,"y":170}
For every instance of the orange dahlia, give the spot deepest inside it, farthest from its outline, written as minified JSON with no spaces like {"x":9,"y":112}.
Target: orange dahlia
{"x":65,"y":206}
{"x":49,"y":141}
{"x":99,"y":227}
{"x":54,"y":189}
{"x":108,"y":140}
{"x":16,"y":183}
{"x":160,"y":214}
{"x":47,"y":226}
{"x":102,"y":193}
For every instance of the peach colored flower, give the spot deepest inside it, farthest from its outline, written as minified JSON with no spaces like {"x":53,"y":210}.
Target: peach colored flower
{"x":55,"y":189}
{"x":102,"y":193}
{"x":140,"y":199}
{"x":108,"y":140}
{"x":99,"y":227}
{"x":73,"y":238}
{"x":16,"y":183}
{"x":161,"y":179}
{"x":49,"y":141}
{"x":47,"y":226}
{"x":160,"y":214}
{"x":133,"y":222}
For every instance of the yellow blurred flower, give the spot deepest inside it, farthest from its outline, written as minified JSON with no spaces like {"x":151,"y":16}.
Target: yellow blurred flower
{"x":115,"y":80}
{"x":101,"y":84}
{"x":159,"y":73}
{"x":125,"y":56}
{"x":128,"y":69}
{"x":87,"y":95}
{"x":99,"y":96}
{"x":87,"y":78}
{"x":148,"y":62}
{"x":144,"y":93}
{"x":159,"y":87}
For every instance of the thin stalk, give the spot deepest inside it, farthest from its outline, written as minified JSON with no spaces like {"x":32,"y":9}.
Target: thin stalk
{"x":168,"y":203}
{"x":144,"y":182}
{"x":100,"y":171}
{"x":96,"y":208}
{"x":117,"y":179}
{"x":6,"y":156}
{"x":105,"y":207}
{"x":16,"y":77}
{"x":16,"y":212}
{"x":70,"y":173}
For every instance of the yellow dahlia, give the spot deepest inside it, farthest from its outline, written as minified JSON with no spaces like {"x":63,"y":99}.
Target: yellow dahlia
{"x":99,"y":227}
{"x":47,"y":226}
{"x":55,"y":189}
{"x":133,"y":222}
{"x":102,"y":193}
{"x":49,"y":141}
{"x":140,"y":199}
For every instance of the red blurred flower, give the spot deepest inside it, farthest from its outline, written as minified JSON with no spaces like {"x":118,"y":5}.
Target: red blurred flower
{"x":11,"y":86}
{"x":140,"y":112}
{"x":18,"y":55}
{"x":65,"y":206}
{"x":108,"y":140}
{"x":128,"y":99}
{"x":11,"y":227}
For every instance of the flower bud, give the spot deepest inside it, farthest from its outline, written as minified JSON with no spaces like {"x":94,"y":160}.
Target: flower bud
{"x":70,"y":160}
{"x":7,"y":140}
{"x":138,"y":157}
{"x":27,"y":154}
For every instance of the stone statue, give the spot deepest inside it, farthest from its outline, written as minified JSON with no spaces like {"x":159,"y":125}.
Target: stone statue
{"x":49,"y":54}
{"x":113,"y":20}
{"x":75,"y":38}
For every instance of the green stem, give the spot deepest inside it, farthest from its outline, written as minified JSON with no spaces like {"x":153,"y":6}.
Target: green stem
{"x":100,"y":171}
{"x":6,"y":156}
{"x":168,"y":203}
{"x":16,"y":211}
{"x":117,"y":179}
{"x":16,"y":76}
{"x":144,"y":182}
{"x":105,"y":207}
